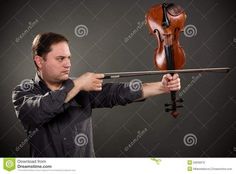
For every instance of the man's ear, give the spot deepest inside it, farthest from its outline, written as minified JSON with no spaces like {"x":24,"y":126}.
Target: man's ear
{"x":39,"y":61}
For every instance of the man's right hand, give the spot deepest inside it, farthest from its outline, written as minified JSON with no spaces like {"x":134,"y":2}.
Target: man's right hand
{"x":85,"y":82}
{"x":89,"y":82}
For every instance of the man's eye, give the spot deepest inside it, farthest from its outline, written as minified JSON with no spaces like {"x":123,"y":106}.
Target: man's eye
{"x":60,"y":59}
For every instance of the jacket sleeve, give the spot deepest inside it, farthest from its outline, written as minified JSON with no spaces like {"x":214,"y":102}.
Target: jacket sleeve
{"x":113,"y":94}
{"x":34,"y":109}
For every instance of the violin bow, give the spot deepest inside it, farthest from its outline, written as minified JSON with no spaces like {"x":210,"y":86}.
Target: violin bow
{"x":115,"y":75}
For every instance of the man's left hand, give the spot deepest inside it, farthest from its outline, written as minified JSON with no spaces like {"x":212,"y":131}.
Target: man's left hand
{"x":171,"y":83}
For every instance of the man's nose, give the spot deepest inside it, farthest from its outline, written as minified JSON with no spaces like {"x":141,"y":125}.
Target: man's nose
{"x":67,"y":63}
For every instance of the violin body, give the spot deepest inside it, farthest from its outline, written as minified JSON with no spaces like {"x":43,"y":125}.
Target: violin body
{"x":165,"y":22}
{"x":167,"y":35}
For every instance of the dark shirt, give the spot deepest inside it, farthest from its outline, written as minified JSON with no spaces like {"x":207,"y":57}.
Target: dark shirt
{"x":58,"y":129}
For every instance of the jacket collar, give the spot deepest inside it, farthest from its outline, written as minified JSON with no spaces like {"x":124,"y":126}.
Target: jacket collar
{"x":40,"y":82}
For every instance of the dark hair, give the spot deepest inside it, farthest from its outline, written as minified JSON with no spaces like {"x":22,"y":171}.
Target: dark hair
{"x":42,"y":43}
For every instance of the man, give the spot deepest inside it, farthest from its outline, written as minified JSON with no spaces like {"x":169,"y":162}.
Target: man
{"x":56,"y":110}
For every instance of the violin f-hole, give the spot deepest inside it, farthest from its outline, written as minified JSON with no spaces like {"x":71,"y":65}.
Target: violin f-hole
{"x":159,"y":35}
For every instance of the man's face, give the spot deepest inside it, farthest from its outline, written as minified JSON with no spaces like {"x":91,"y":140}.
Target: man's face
{"x":56,"y":66}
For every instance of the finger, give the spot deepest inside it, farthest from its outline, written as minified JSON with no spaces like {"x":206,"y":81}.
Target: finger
{"x":168,"y":77}
{"x":97,"y":81}
{"x":98,"y":88}
{"x":172,"y":82}
{"x":175,"y":76}
{"x":99,"y":85}
{"x":175,"y":89}
{"x":99,"y":75}
{"x":173,"y":86}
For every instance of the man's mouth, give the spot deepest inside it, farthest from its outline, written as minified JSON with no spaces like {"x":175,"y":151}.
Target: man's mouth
{"x":66,"y":72}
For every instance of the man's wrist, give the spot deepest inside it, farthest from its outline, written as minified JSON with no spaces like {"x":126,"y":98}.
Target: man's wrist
{"x":77,"y":85}
{"x":153,"y":89}
{"x":162,"y":88}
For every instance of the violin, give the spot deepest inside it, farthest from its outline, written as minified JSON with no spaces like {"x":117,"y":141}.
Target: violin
{"x":166,"y":22}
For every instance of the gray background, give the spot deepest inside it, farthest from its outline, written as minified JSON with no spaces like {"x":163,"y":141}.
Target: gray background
{"x":139,"y":129}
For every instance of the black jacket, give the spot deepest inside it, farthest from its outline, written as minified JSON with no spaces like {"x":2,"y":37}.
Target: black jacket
{"x":58,"y":129}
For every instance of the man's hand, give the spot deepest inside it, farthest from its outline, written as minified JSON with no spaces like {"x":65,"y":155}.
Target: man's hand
{"x":167,"y":84}
{"x":89,"y":82}
{"x":170,"y":83}
{"x":86,"y":82}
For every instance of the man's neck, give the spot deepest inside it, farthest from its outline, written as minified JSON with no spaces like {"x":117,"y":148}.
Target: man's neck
{"x":51,"y":85}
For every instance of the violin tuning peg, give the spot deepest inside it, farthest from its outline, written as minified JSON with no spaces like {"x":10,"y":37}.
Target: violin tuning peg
{"x":167,"y":104}
{"x":168,"y":109}
{"x":180,"y":100}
